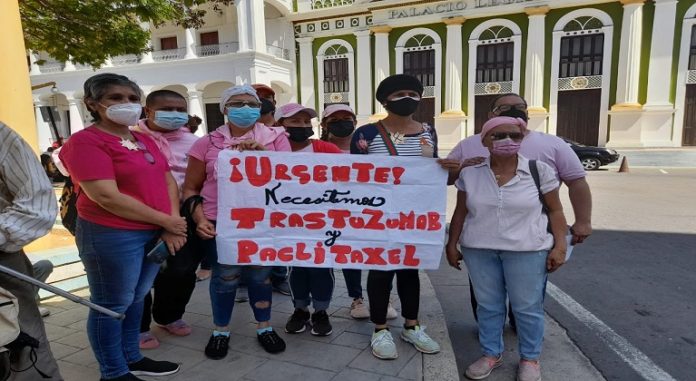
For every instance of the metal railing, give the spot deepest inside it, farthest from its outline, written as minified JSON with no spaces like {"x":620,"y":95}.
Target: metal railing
{"x":320,"y":4}
{"x":51,"y":67}
{"x":277,"y":51}
{"x":168,"y":54}
{"x":126,"y":59}
{"x":217,"y":49}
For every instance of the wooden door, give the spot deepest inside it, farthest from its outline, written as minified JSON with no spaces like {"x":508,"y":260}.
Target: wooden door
{"x":425,"y":113}
{"x":482,"y":107}
{"x":213,"y":116}
{"x":168,"y":43}
{"x":689,"y":135}
{"x":578,"y":115}
{"x":421,"y":64}
{"x":209,"y":38}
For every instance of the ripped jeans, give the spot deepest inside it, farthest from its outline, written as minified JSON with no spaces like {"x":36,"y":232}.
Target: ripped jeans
{"x":224,"y":282}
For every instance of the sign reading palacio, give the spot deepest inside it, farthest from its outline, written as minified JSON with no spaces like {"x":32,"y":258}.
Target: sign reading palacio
{"x":451,"y":6}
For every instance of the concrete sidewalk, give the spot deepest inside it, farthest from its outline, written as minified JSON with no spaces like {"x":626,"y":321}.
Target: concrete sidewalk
{"x":345,"y":355}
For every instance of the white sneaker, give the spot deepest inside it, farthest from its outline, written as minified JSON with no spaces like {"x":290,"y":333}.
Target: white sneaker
{"x":383,"y":346}
{"x":44,"y":311}
{"x":391,"y":312}
{"x":359,"y":310}
{"x":420,"y":340}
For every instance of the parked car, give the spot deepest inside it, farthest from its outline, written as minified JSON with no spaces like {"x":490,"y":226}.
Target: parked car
{"x":592,"y":157}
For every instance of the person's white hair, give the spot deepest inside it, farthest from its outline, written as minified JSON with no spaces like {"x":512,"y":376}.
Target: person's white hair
{"x":236,"y":90}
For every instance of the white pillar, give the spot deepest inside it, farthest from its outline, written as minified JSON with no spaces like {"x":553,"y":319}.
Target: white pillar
{"x":34,"y":67}
{"x":195,"y":107}
{"x":364,"y":75}
{"x":257,"y":26}
{"x":69,"y":65}
{"x":453,"y":66}
{"x":629,"y":56}
{"x":307,"y":93}
{"x":382,"y":69}
{"x":190,"y":43}
{"x":147,"y":56}
{"x":242,"y":24}
{"x":43,"y":128}
{"x":534,"y":72}
{"x":76,"y":123}
{"x":660,"y":73}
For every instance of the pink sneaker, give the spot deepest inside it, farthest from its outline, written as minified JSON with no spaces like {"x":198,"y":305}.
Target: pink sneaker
{"x":529,"y":371}
{"x":483,"y":367}
{"x":148,"y":341}
{"x":177,"y":328}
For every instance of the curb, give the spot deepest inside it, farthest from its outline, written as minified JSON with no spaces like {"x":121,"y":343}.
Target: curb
{"x":441,"y":366}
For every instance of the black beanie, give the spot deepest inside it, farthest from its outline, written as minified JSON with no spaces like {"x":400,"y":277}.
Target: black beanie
{"x":395,"y":83}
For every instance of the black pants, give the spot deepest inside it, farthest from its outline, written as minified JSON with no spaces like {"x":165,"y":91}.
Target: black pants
{"x":474,"y":305}
{"x":379,"y":287}
{"x":173,"y":287}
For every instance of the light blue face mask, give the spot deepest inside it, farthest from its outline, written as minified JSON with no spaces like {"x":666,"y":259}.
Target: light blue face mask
{"x":170,"y":120}
{"x":243,"y":117}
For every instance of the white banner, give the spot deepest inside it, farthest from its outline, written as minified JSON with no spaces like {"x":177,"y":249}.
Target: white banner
{"x":330,"y":210}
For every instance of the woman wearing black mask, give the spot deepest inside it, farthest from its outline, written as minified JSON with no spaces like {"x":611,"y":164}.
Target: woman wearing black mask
{"x":297,"y":121}
{"x":397,"y":135}
{"x":337,"y":125}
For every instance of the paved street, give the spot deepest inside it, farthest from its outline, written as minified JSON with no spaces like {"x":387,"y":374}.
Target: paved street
{"x":627,"y":293}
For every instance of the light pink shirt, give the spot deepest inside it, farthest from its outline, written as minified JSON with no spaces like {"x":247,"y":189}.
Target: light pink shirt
{"x":207,"y":149}
{"x":508,"y":217}
{"x":550,"y":149}
{"x":175,"y":146}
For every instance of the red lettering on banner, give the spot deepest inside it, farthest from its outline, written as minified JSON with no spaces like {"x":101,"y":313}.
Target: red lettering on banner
{"x":319,"y":254}
{"x":374,"y":222}
{"x":340,"y":174}
{"x":320,"y":174}
{"x":285,"y":254}
{"x":314,"y":221}
{"x":356,"y":256}
{"x":422,"y":222}
{"x":434,"y":221}
{"x":410,"y":259}
{"x":236,"y":175}
{"x":301,"y":254}
{"x":300,"y":171}
{"x":247,"y":217}
{"x":295,"y":221}
{"x":277,"y":219}
{"x":356,"y":222}
{"x":339,"y":217}
{"x":398,"y":171}
{"x":282,"y":172}
{"x":245,"y":249}
{"x":263,"y":175}
{"x":374,"y":256}
{"x":363,"y":171}
{"x":267,"y":254}
{"x":394,"y":256}
{"x":382,"y":175}
{"x":341,"y":252}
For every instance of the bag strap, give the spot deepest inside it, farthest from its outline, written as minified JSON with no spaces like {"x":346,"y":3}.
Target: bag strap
{"x":535,"y":175}
{"x":386,"y":139}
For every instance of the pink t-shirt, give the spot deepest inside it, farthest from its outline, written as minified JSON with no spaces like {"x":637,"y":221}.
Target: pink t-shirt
{"x":207,"y":149}
{"x":92,"y":154}
{"x":549,"y":149}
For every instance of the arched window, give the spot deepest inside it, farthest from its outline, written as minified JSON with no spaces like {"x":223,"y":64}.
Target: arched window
{"x":335,"y":64}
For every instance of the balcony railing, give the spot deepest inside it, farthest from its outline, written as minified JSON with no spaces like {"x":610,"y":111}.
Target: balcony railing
{"x":51,"y":67}
{"x":217,"y":49}
{"x":168,"y":55}
{"x":320,"y":4}
{"x":278,"y":52}
{"x":126,"y":59}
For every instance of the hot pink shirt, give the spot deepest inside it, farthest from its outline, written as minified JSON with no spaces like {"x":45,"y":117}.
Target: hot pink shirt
{"x":207,"y":148}
{"x":175,"y":146}
{"x":92,"y":154}
{"x":550,"y":149}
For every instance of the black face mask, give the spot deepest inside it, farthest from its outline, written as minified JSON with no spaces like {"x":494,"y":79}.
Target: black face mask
{"x":341,"y":128}
{"x":515,"y":113}
{"x":403,"y":107}
{"x":299,"y":134}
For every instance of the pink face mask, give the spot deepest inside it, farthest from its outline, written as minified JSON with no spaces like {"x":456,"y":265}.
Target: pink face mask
{"x":506,"y":147}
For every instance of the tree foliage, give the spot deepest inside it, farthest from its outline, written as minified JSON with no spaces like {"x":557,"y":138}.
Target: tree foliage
{"x":90,"y":31}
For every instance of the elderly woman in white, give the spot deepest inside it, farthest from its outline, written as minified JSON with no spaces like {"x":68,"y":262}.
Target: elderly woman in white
{"x":510,"y":240}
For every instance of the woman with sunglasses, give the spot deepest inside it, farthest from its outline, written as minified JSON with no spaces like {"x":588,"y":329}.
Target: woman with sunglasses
{"x":127,"y":199}
{"x":508,"y":242}
{"x":242,"y":131}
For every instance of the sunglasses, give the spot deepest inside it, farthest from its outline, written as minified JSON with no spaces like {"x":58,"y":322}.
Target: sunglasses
{"x":148,"y":156}
{"x":239,"y":104}
{"x":504,"y":108}
{"x":503,"y":135}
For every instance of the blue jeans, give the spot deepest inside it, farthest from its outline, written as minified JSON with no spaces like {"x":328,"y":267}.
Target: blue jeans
{"x":353,"y":280}
{"x":311,"y":285}
{"x":225,"y":280}
{"x":522,"y":276}
{"x":119,"y":276}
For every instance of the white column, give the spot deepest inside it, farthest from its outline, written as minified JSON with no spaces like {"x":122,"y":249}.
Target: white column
{"x":364,"y":75}
{"x":147,"y":56}
{"x":190,"y":43}
{"x":195,"y":107}
{"x":69,"y":65}
{"x":243,"y":24}
{"x":76,"y":123}
{"x":307,"y":94}
{"x":629,"y":56}
{"x":43,"y":128}
{"x":534,"y":72}
{"x":382,"y":69}
{"x":34,"y":67}
{"x":257,"y":26}
{"x":660,"y":73}
{"x":453,"y":67}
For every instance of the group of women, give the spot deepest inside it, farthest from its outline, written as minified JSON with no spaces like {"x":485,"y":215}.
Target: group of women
{"x":128,"y":200}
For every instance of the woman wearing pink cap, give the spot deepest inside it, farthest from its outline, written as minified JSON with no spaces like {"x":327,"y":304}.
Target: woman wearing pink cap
{"x":511,"y":237}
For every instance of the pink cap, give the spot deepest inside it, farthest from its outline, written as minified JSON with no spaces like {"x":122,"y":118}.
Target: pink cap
{"x":500,"y":121}
{"x":291,"y":109}
{"x":336,"y":108}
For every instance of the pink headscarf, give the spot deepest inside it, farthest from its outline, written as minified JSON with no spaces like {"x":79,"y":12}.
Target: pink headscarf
{"x":502,"y":120}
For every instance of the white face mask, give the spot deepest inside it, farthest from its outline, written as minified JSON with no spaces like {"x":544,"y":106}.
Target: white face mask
{"x":125,"y":114}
